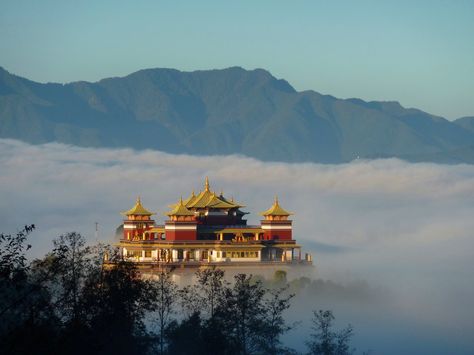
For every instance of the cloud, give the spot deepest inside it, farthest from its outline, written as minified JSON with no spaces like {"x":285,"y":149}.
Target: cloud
{"x":396,"y":224}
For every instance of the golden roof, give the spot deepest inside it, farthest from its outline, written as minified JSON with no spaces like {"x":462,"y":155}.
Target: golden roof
{"x":231,"y":201}
{"x":216,"y":202}
{"x":186,"y":202}
{"x":138,"y":210}
{"x":209,"y":199}
{"x":190,"y":199}
{"x":276,"y":210}
{"x":180,"y":210}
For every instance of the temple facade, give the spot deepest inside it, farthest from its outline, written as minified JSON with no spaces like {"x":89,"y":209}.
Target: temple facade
{"x":209,"y":229}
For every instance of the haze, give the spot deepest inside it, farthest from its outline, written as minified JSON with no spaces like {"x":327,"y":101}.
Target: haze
{"x":405,"y":229}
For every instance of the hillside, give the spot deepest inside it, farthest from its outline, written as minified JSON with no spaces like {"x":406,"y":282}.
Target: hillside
{"x":224,"y":112}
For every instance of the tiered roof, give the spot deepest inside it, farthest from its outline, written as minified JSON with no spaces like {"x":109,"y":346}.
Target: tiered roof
{"x":180,"y":210}
{"x":138,"y":210}
{"x":276,"y":210}
{"x":208,"y":199}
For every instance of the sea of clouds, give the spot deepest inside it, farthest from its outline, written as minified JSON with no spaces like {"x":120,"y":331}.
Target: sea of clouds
{"x":403,"y":230}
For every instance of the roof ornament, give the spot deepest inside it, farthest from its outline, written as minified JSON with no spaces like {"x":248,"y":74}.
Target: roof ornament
{"x":207,"y":184}
{"x":276,"y":200}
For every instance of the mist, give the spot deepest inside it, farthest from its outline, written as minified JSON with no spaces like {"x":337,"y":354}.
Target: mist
{"x":395,"y":237}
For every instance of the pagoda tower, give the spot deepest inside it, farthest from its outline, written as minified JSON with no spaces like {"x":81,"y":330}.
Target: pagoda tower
{"x":212,"y":209}
{"x":137,"y":221}
{"x":276,"y":225}
{"x":182,"y":224}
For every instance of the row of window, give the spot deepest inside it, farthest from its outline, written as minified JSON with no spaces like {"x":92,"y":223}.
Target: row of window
{"x":219,"y":254}
{"x":238,"y":254}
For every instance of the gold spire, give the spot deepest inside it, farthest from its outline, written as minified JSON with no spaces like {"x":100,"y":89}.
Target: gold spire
{"x":206,"y":185}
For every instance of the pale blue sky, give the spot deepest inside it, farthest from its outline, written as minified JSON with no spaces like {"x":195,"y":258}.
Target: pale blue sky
{"x":420,"y":53}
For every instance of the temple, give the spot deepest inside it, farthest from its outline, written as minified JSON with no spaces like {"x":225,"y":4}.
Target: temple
{"x":209,"y":229}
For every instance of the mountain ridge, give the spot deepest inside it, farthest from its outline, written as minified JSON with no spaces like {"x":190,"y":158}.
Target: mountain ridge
{"x":224,"y":111}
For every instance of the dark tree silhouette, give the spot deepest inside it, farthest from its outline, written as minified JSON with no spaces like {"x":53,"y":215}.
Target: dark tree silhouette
{"x":84,"y":299}
{"x":165,"y":296}
{"x":276,"y":302}
{"x":326,"y":341}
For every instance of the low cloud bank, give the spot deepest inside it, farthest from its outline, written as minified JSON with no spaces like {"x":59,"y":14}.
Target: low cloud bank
{"x":402,"y":227}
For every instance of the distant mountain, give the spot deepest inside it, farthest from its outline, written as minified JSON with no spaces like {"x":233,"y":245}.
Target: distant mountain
{"x":224,"y":112}
{"x":466,"y":122}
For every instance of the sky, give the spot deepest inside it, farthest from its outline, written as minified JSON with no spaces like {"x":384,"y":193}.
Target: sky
{"x":396,"y":235}
{"x":419,"y":53}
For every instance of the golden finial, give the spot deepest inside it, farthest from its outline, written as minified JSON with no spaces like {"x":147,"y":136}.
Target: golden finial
{"x":232,"y":199}
{"x":206,"y":185}
{"x":276,"y":200}
{"x":139,"y":202}
{"x":193,"y":194}
{"x":181,"y":200}
{"x":222,"y":193}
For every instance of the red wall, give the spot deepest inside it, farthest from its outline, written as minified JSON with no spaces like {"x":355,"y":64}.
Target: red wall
{"x":134,"y":232}
{"x":181,"y":234}
{"x":275,"y":234}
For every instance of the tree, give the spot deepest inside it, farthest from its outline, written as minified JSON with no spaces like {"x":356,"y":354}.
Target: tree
{"x":276,"y":302}
{"x":165,"y":296}
{"x":325,"y":341}
{"x":12,"y":253}
{"x":210,"y":287}
{"x":117,"y":299}
{"x":187,"y":337}
{"x":242,"y":314}
{"x":71,"y":263}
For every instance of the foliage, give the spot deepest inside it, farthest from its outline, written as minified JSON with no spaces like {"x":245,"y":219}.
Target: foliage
{"x":164,"y":295}
{"x":87,"y":299}
{"x":325,"y":341}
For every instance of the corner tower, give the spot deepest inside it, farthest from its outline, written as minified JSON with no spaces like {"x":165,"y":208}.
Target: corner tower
{"x":182,"y":224}
{"x":137,"y":221}
{"x":276,"y":225}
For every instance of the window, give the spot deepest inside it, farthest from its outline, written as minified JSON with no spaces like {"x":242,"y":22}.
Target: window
{"x":147,"y":253}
